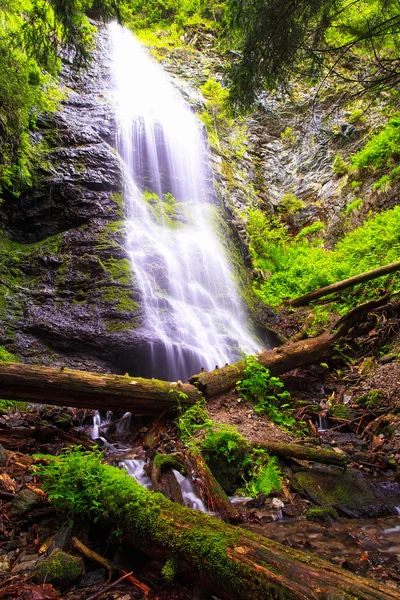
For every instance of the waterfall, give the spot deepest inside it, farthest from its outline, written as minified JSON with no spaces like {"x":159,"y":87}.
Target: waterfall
{"x":193,"y":316}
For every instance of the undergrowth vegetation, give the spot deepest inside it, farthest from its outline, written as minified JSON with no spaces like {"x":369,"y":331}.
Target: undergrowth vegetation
{"x":236,"y":465}
{"x":294,"y":266}
{"x":267,"y":393}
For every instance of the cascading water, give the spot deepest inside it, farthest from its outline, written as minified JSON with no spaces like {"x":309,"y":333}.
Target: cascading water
{"x":193,"y":316}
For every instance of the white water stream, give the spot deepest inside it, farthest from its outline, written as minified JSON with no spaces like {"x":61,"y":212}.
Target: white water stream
{"x":193,"y":315}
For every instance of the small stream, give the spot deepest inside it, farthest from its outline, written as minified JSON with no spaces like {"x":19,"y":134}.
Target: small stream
{"x":357,"y":544}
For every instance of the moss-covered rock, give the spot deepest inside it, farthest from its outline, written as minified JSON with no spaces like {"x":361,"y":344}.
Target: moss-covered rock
{"x":352,"y":496}
{"x":60,"y":569}
{"x":325,"y":514}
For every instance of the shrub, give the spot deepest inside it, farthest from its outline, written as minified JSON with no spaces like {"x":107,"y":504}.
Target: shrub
{"x":381,"y":149}
{"x":290,"y":204}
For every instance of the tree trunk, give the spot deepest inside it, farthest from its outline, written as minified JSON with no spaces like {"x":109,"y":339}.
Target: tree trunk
{"x":229,"y":562}
{"x":80,"y":389}
{"x":327,"y":457}
{"x":345,"y":283}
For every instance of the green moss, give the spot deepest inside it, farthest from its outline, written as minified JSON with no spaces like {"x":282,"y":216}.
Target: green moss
{"x":167,"y":461}
{"x":372,"y":399}
{"x":113,"y":326}
{"x":118,"y":198}
{"x":169,"y":570}
{"x":326,"y":514}
{"x":6,"y":356}
{"x":59,"y":569}
{"x":120,"y":298}
{"x":120,"y":270}
{"x":354,"y":206}
{"x":340,"y":411}
{"x":339,"y":166}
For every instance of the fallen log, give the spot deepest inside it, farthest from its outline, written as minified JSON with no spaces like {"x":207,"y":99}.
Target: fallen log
{"x":229,"y":562}
{"x":209,"y":489}
{"x":320,"y":455}
{"x":345,"y":283}
{"x":285,"y":358}
{"x":64,"y":387}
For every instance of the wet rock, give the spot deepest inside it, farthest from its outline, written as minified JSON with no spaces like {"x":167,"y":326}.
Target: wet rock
{"x":60,"y":569}
{"x":351,"y":495}
{"x":23,"y":502}
{"x":26,"y":563}
{"x":62,"y":539}
{"x":3,"y":456}
{"x":93,"y":579}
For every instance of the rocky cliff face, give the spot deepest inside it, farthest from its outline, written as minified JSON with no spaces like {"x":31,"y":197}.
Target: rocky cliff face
{"x":67,"y":294}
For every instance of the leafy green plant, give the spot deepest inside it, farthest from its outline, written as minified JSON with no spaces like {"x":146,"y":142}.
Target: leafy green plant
{"x":311,"y":230}
{"x":72,"y":480}
{"x":265,"y":477}
{"x":13,"y":405}
{"x":266,"y":391}
{"x":354,"y":206}
{"x":381,"y":149}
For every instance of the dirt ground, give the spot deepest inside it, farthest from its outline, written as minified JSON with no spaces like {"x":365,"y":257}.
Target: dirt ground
{"x":230,"y":409}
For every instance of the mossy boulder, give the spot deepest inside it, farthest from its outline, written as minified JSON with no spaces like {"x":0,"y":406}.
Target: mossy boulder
{"x":352,"y":496}
{"x":60,"y":569}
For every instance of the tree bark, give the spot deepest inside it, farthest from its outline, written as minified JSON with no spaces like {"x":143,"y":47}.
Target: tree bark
{"x":345,"y":283}
{"x":327,"y":457}
{"x":80,"y":389}
{"x":229,"y":562}
{"x":210,"y":490}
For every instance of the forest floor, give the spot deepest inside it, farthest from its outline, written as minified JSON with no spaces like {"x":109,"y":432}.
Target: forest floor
{"x":364,"y":538}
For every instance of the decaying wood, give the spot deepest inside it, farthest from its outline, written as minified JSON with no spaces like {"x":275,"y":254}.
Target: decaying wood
{"x":209,"y":489}
{"x":320,"y":455}
{"x":230,"y":562}
{"x":345,"y":283}
{"x":285,"y":358}
{"x":104,"y":562}
{"x":165,"y":482}
{"x":64,"y":387}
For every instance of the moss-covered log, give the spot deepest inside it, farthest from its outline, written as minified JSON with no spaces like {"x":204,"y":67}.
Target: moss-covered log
{"x":291,"y":355}
{"x":209,"y":489}
{"x":230,"y":562}
{"x":279,"y":360}
{"x":64,"y":387}
{"x":345,"y":283}
{"x":320,"y":455}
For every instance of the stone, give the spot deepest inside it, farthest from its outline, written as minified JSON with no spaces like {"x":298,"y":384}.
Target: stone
{"x":3,"y":456}
{"x":93,"y":579}
{"x":351,"y":495}
{"x":23,"y":502}
{"x":277,"y":504}
{"x":60,"y":569}
{"x":62,"y":539}
{"x":4,"y":564}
